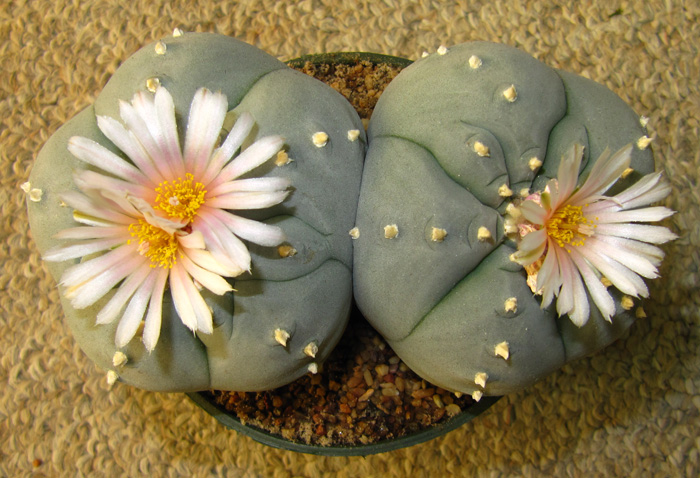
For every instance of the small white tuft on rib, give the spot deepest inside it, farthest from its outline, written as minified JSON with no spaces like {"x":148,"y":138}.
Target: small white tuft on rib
{"x":475,"y":62}
{"x":511,"y":304}
{"x":483,"y":234}
{"x":481,"y":149}
{"x":281,"y":337}
{"x":510,"y":94}
{"x":119,"y":358}
{"x":320,"y":139}
{"x":502,"y":350}
{"x":311,"y":349}
{"x":480,"y":379}
{"x":160,"y":48}
{"x":391,"y":231}
{"x":152,"y":84}
{"x":504,"y":191}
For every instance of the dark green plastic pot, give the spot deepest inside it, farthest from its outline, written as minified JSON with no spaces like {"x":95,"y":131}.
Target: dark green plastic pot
{"x":229,"y":419}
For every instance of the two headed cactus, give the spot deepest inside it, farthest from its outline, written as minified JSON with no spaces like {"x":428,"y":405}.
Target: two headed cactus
{"x":456,"y":142}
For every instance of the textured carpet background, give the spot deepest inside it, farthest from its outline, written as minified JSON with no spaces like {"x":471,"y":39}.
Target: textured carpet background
{"x":633,"y":410}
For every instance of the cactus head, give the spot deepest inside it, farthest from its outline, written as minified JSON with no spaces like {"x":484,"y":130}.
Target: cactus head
{"x":457,"y":140}
{"x":289,"y":309}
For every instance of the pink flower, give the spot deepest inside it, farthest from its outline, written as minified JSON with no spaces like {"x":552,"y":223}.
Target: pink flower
{"x":571,"y":236}
{"x":161,"y":220}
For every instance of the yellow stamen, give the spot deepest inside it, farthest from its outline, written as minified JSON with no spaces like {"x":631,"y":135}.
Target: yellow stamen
{"x":156,"y":244}
{"x":180,"y":199}
{"x":569,"y":226}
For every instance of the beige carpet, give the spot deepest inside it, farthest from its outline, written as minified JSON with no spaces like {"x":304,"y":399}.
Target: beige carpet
{"x":633,"y":410}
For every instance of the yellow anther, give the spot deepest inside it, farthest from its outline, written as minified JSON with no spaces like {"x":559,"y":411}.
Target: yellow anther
{"x":155,"y":244}
{"x":569,"y":226}
{"x":180,"y":199}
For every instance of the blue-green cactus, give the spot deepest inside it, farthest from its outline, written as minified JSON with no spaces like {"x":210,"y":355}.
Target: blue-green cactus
{"x":286,"y":315}
{"x":455,"y":138}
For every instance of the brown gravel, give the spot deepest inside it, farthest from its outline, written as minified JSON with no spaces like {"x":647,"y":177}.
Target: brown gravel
{"x":362,"y":83}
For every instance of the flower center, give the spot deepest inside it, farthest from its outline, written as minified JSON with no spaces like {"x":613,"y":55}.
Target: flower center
{"x":156,"y":244}
{"x":180,"y":199}
{"x":569,"y":226}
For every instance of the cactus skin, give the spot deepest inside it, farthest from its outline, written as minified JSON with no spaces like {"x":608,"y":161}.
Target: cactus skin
{"x":308,"y":294}
{"x":442,"y":305}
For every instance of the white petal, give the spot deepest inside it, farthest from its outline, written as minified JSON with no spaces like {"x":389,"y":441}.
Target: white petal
{"x":569,"y":166}
{"x":64,"y":253}
{"x":139,"y":128}
{"x":151,"y":329}
{"x":605,"y":172}
{"x":95,"y":206}
{"x":250,"y":158}
{"x":115,"y":305}
{"x":572,"y":299}
{"x":651,"y":253}
{"x":87,"y":179}
{"x":598,"y":291}
{"x":121,"y":200}
{"x":168,"y":141}
{"x":550,"y":199}
{"x":252,"y":184}
{"x":194,"y":240}
{"x":125,"y":140}
{"x":90,"y":292}
{"x":531,"y":247}
{"x":97,"y":155}
{"x":565,"y":297}
{"x":241,"y":129}
{"x":640,"y":188}
{"x":648,"y":214}
{"x":253,"y":231}
{"x":221,"y":241}
{"x":549,"y":276}
{"x":74,"y":276}
{"x":247,"y":200}
{"x":85,"y":232}
{"x":533,"y":212}
{"x":144,"y":104}
{"x":181,"y":300}
{"x":206,"y":118}
{"x":621,"y":277}
{"x":211,"y":281}
{"x":610,"y":247}
{"x":206,"y":260}
{"x":581,"y":312}
{"x":130,"y":321}
{"x":647,"y":190}
{"x":188,"y":301}
{"x":639,"y":232}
